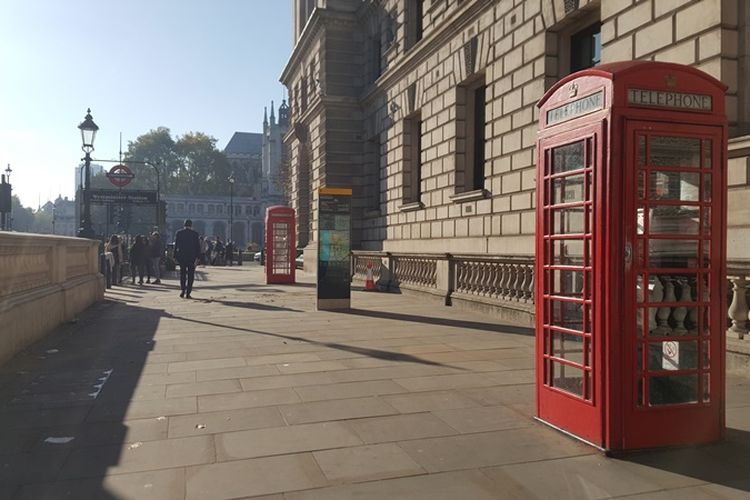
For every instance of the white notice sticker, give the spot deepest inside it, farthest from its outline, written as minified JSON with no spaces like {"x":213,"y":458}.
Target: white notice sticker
{"x":670,"y":359}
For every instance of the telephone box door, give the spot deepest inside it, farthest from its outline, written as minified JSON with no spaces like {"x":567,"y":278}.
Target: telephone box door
{"x":673,"y":218}
{"x":569,"y":357}
{"x":280,"y":245}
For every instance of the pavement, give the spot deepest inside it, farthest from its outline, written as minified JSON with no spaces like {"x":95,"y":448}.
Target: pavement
{"x":247,"y":392}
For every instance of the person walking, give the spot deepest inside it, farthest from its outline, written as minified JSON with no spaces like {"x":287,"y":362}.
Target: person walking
{"x":139,"y":258}
{"x":156,"y":249}
{"x":113,"y":246}
{"x":187,"y":249}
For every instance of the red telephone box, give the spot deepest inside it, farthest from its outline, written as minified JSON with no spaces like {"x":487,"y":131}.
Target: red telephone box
{"x":281,"y":245}
{"x":631,"y":256}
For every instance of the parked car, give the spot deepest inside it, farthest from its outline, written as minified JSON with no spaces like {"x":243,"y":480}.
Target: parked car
{"x":256,"y":256}
{"x":299,"y":261}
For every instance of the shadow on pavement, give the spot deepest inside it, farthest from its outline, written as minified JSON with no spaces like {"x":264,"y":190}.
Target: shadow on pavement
{"x":723,"y":463}
{"x":248,"y":305}
{"x":474,"y":325}
{"x":63,"y":415}
{"x":373,"y":353}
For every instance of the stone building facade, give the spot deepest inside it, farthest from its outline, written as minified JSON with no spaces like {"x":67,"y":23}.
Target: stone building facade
{"x":427,"y":108}
{"x":274,"y":154}
{"x":210,"y":216}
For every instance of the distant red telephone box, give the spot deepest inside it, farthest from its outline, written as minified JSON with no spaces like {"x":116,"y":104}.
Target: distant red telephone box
{"x":280,"y":245}
{"x":631,"y":256}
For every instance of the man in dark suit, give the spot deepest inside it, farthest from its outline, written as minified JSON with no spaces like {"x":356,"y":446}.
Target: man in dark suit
{"x":187,"y":249}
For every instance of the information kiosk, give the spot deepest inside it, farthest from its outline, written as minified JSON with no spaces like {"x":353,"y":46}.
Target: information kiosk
{"x":631,"y":256}
{"x":281,"y":251}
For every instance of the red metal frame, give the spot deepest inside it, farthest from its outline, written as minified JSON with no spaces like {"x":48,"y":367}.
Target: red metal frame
{"x":611,"y":415}
{"x":280,"y":245}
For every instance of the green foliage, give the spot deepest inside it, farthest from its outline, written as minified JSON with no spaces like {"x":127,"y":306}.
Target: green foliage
{"x":23,"y":217}
{"x":189,"y":165}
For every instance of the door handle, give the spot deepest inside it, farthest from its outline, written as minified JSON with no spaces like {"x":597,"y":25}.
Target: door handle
{"x":628,"y":254}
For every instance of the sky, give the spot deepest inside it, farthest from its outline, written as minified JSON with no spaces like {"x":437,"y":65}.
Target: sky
{"x":189,"y":65}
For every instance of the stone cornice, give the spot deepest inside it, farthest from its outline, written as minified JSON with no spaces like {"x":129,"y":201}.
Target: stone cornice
{"x":426,"y":47}
{"x":318,"y":19}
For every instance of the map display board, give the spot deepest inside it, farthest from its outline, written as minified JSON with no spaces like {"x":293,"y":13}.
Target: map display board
{"x":334,"y":248}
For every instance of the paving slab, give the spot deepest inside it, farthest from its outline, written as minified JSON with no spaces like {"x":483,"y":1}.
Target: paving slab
{"x":364,"y":463}
{"x":283,"y":440}
{"x":248,"y":392}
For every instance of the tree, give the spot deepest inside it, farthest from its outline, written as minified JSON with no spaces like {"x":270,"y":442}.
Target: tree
{"x":23,"y":218}
{"x":189,"y":165}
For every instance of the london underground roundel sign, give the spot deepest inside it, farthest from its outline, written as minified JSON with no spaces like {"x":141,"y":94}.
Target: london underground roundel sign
{"x":120,"y":175}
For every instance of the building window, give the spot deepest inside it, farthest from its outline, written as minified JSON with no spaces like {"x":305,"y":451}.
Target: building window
{"x":180,"y":208}
{"x":248,"y":210}
{"x":586,"y":48}
{"x":211,"y":209}
{"x":237,"y":210}
{"x":412,"y":159}
{"x":414,"y":22}
{"x":473,"y":97}
{"x":200,"y":208}
{"x":256,"y":210}
{"x":219,"y":210}
{"x":191,"y":208}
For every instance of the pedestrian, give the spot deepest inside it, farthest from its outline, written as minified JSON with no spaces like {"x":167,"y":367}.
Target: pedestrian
{"x":229,"y":253}
{"x":113,"y":246}
{"x":187,"y":249}
{"x":139,"y":258}
{"x":149,"y":270}
{"x":204,"y":250}
{"x":157,"y":252}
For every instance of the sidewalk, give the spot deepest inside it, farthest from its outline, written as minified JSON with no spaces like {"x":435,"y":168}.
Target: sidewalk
{"x":247,"y":391}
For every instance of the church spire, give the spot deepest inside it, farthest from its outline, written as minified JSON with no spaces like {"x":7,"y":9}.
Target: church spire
{"x":273,"y":116}
{"x":265,"y":117}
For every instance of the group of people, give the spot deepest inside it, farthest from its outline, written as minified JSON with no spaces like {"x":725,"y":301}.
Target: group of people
{"x":215,"y":252}
{"x":144,"y":256}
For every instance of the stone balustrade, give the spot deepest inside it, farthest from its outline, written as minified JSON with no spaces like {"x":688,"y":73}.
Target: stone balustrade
{"x":44,"y":281}
{"x":502,"y":285}
{"x":739,"y":313}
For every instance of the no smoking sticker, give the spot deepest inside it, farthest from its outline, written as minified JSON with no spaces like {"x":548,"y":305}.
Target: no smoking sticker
{"x":670,"y":351}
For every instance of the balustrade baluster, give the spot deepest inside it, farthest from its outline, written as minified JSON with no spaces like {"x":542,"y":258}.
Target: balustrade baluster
{"x":663,"y":314}
{"x":738,"y":310}
{"x":519,"y":283}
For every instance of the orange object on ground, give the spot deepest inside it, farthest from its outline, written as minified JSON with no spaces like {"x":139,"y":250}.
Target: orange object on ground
{"x":369,"y":284}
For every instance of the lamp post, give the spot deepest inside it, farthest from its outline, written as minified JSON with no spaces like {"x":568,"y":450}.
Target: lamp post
{"x":6,"y":200}
{"x":88,"y":133}
{"x":231,"y":207}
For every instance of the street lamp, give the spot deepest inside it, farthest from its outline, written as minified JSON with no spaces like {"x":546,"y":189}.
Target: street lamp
{"x":88,"y":133}
{"x":231,"y":207}
{"x":6,"y":201}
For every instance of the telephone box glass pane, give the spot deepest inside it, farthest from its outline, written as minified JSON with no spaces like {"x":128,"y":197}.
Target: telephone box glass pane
{"x":567,"y":315}
{"x":673,"y":321}
{"x":673,"y":389}
{"x":569,"y":347}
{"x":707,"y":187}
{"x":672,"y":219}
{"x":568,"y":221}
{"x":672,"y":355}
{"x":675,"y":152}
{"x":568,"y":158}
{"x":569,"y":189}
{"x":568,"y":252}
{"x":567,"y":283}
{"x":280,"y":263}
{"x":567,"y":378}
{"x":707,"y":153}
{"x":684,"y":186}
{"x":673,"y":253}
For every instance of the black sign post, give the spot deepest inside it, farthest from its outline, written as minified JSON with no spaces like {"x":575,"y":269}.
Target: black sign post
{"x":334,"y":249}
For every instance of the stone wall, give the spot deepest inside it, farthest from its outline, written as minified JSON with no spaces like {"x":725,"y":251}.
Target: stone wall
{"x":378,"y":75}
{"x":738,"y":200}
{"x":44,"y":281}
